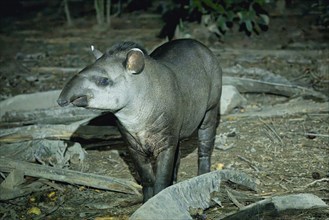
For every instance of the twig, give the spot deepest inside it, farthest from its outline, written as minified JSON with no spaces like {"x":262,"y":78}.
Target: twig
{"x":317,"y":135}
{"x":52,"y":184}
{"x":249,"y":162}
{"x":270,"y":128}
{"x":316,"y":181}
{"x":309,"y":134}
{"x":234,"y":200}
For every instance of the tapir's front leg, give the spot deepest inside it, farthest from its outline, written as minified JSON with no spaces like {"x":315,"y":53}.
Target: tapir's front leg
{"x":165,"y":167}
{"x":145,"y":171}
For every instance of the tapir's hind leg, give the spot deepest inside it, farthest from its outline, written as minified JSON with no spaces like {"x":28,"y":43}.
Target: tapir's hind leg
{"x":206,"y":135}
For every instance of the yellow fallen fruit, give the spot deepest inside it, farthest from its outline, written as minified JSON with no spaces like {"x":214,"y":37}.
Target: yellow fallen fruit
{"x":219,"y":166}
{"x":34,"y":211}
{"x":52,"y":196}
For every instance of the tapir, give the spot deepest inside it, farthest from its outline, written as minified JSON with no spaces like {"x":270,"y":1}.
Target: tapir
{"x":158,"y":99}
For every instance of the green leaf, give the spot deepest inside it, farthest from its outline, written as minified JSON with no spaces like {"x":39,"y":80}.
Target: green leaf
{"x":248,"y":25}
{"x":261,"y":2}
{"x":230,"y":15}
{"x":215,"y":6}
{"x":251,"y":14}
{"x":221,"y":21}
{"x":265,"y":19}
{"x":243,"y":15}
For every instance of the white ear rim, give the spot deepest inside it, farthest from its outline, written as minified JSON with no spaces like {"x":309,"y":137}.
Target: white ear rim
{"x":97,"y":54}
{"x":137,"y":49}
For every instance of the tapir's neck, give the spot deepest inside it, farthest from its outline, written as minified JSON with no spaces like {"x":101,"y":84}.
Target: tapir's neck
{"x":139,"y":107}
{"x":131,"y":119}
{"x":150,"y":97}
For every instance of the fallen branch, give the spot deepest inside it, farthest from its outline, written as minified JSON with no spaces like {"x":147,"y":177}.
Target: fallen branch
{"x":58,"y":132}
{"x":70,"y":176}
{"x":46,"y":116}
{"x":56,"y":70}
{"x":289,"y":108}
{"x":245,"y":85}
{"x":260,"y":54}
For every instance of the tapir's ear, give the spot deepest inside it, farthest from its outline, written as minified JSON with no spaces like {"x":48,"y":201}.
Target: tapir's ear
{"x":135,"y":61}
{"x":96,"y":52}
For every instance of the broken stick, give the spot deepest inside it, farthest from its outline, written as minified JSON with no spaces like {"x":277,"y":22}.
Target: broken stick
{"x":70,"y":176}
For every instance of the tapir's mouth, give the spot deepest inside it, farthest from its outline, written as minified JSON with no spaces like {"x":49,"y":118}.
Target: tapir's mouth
{"x":80,"y":101}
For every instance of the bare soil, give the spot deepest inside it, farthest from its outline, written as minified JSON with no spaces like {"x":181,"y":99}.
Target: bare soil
{"x":280,"y":151}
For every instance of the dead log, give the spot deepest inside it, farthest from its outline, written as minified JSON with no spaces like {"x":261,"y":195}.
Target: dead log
{"x":69,"y":176}
{"x":260,"y":54}
{"x":294,"y":106}
{"x":58,"y":132}
{"x":245,"y":85}
{"x":56,"y":70}
{"x":54,"y":115}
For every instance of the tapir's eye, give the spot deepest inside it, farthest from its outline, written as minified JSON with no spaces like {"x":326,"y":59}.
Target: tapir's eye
{"x":103,"y":81}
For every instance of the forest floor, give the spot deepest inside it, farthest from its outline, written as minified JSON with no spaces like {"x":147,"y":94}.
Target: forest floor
{"x":275,"y":149}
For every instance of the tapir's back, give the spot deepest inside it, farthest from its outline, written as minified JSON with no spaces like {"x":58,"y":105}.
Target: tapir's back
{"x":198,"y":74}
{"x":192,"y":62}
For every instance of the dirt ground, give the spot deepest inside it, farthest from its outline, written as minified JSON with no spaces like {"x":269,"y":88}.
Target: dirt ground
{"x":286,"y":153}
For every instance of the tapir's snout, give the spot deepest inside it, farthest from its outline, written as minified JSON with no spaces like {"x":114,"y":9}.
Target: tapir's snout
{"x":74,"y":92}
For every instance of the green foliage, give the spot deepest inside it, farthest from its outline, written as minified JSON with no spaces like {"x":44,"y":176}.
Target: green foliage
{"x":248,"y":14}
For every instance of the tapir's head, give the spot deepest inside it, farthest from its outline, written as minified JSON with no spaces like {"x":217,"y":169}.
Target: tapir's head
{"x":107,"y":84}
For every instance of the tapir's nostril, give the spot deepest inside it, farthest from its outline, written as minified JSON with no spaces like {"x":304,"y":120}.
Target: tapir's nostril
{"x":62,"y":102}
{"x":80,"y":101}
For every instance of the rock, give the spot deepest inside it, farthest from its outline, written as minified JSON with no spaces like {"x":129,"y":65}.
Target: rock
{"x":275,"y":205}
{"x":175,"y":202}
{"x":231,"y":98}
